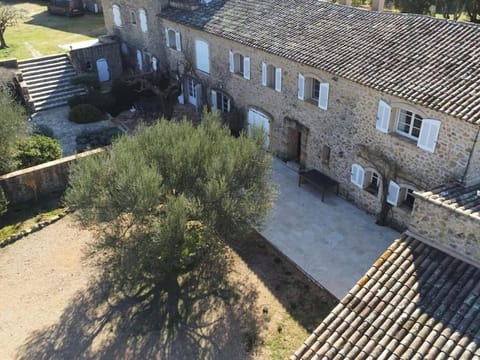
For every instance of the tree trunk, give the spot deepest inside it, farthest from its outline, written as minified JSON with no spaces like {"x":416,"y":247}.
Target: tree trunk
{"x":385,"y":207}
{"x":3,"y":44}
{"x":173,"y":299}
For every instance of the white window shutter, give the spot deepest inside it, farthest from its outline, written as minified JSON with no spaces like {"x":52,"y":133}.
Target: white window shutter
{"x":323,"y":97}
{"x":198,"y":95}
{"x":393,"y":193}
{"x":143,"y":20}
{"x":428,"y":134}
{"x":117,"y":17}
{"x":178,"y":40}
{"x":181,"y":99}
{"x":383,"y":116}
{"x":214,"y":99}
{"x":278,"y":79}
{"x":246,"y":68}
{"x":301,"y":86}
{"x":231,"y":61}
{"x":358,"y":175}
{"x":264,"y":74}
{"x":167,"y":39}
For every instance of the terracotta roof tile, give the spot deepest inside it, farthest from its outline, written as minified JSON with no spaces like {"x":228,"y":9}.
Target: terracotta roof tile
{"x":430,"y":310}
{"x":432,"y":62}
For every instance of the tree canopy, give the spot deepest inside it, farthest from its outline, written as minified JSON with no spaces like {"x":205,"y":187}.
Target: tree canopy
{"x":164,"y":200}
{"x":13,"y":126}
{"x":9,"y":16}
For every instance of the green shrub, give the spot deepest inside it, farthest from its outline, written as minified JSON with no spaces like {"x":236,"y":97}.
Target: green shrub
{"x":89,"y":80}
{"x":84,"y":113}
{"x":37,"y":149}
{"x":103,"y":101}
{"x":90,"y":139}
{"x":3,"y":202}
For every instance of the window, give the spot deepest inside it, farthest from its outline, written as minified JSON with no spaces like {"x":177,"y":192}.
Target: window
{"x":369,"y":180}
{"x":272,"y":77}
{"x":194,"y":92}
{"x":313,"y":90}
{"x":239,"y":64}
{"x":202,"y":56}
{"x":142,"y":15}
{"x":373,"y":182}
{"x":117,"y":17}
{"x":133,"y":17}
{"x":173,"y":39}
{"x":408,"y":198}
{"x":409,"y":124}
{"x":326,"y":155}
{"x":221,"y":101}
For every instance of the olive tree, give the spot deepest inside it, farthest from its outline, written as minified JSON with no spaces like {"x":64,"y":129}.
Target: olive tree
{"x":9,"y":16}
{"x":164,"y":201}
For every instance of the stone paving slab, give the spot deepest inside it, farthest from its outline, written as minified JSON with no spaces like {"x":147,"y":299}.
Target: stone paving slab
{"x":63,"y":129}
{"x":333,"y":241}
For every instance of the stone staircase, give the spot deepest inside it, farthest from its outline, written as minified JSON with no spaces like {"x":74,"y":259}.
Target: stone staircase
{"x":46,"y":82}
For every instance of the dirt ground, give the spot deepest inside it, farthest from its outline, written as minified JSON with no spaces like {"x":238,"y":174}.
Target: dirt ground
{"x":53,"y":307}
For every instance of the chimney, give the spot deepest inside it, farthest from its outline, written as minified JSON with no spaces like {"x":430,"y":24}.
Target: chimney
{"x":378,"y":5}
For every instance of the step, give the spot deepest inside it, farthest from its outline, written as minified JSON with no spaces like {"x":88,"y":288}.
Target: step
{"x":58,"y":98}
{"x":65,"y":66}
{"x":55,"y":94}
{"x":51,"y":82}
{"x":54,"y":86}
{"x":32,"y":79}
{"x":52,"y":65}
{"x":53,"y":78}
{"x":41,"y":59}
{"x":49,"y":105}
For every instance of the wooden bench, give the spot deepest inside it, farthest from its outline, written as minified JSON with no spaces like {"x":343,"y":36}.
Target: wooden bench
{"x":318,"y":180}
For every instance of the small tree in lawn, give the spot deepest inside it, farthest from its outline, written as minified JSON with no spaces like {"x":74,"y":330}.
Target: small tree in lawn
{"x":163,"y":201}
{"x":9,"y":16}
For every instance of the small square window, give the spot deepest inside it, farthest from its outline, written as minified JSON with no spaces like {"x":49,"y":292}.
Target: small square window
{"x":409,"y":124}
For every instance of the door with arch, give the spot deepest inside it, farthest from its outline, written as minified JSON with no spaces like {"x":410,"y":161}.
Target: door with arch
{"x":259,"y":120}
{"x":102,"y":70}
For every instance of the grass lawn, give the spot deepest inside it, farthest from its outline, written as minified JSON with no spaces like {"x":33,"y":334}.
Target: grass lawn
{"x":23,"y":217}
{"x":41,"y":34}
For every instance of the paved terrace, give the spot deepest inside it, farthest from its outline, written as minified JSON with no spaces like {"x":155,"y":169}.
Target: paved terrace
{"x":334,"y":242}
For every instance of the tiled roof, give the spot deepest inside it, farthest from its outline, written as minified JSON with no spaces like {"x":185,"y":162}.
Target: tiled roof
{"x":428,"y":61}
{"x":416,"y":302}
{"x":465,"y":199}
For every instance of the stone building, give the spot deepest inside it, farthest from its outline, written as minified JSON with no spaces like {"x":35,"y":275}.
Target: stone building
{"x":373,"y":100}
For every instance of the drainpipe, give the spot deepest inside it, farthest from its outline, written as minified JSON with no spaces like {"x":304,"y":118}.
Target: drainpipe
{"x":464,"y":178}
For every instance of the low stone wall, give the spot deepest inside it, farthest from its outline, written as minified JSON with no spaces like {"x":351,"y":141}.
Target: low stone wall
{"x":450,"y":230}
{"x":9,"y":63}
{"x":39,"y":181}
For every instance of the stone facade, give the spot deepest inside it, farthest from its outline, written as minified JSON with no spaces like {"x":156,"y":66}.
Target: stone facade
{"x":85,"y":59}
{"x":327,"y":140}
{"x":447,"y":228}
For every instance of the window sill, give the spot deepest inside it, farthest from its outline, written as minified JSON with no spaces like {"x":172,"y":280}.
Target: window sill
{"x":372,"y":190}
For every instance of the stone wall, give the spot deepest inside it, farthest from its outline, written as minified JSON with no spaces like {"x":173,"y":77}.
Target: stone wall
{"x":450,"y":230}
{"x":9,"y":63}
{"x":85,"y":59}
{"x":41,"y":180}
{"x":348,"y":122}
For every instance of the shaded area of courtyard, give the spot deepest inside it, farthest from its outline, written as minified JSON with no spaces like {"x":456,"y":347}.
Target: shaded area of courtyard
{"x":333,"y":241}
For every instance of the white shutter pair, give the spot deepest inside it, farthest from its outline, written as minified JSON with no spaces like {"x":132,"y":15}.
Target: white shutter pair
{"x":278,"y":77}
{"x":246,"y":65}
{"x":429,"y":130}
{"x":178,"y":40}
{"x":323,"y":95}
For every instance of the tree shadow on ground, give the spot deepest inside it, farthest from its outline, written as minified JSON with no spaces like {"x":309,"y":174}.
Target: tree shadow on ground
{"x":98,"y":324}
{"x":87,"y":24}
